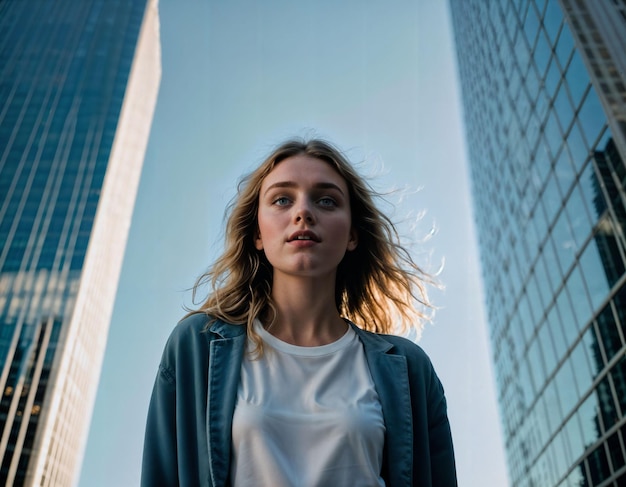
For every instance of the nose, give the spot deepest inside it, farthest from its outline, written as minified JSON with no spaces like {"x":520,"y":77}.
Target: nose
{"x":303,"y":212}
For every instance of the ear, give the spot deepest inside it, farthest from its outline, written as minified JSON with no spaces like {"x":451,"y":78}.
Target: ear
{"x":353,"y":240}
{"x":258,"y":241}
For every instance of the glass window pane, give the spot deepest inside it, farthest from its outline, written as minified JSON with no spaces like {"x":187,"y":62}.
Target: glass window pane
{"x":578,"y":217}
{"x":534,"y":298}
{"x":618,"y":374}
{"x":516,"y":275}
{"x":541,"y":107}
{"x":521,"y":52}
{"x":571,"y":326}
{"x":598,"y":465}
{"x":577,"y":147}
{"x":577,"y":290}
{"x":564,"y":108}
{"x":526,"y":386}
{"x":535,"y":363}
{"x":542,"y":53}
{"x":594,"y":275}
{"x":527,"y":314}
{"x":553,"y":407}
{"x":575,"y":478}
{"x":607,"y":404}
{"x":564,"y":241}
{"x":551,"y":198}
{"x":616,"y":450}
{"x":588,"y":415}
{"x":552,"y":78}
{"x":565,"y":45}
{"x":592,"y":117}
{"x":577,"y":78}
{"x":562,"y":454}
{"x":552,"y":19}
{"x":566,"y":384}
{"x":552,"y":265}
{"x":553,"y":321}
{"x":539,"y":425}
{"x":592,"y":192}
{"x":531,"y":25}
{"x":609,"y":250}
{"x":574,"y":436}
{"x":543,"y":282}
{"x":532,"y":83}
{"x":553,"y":133}
{"x":592,"y":347}
{"x":547,"y":348}
{"x":607,"y":327}
{"x":620,"y":305}
{"x":540,"y":222}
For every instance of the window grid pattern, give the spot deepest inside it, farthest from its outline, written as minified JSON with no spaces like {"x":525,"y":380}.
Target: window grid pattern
{"x":64,"y":71}
{"x":548,"y":185}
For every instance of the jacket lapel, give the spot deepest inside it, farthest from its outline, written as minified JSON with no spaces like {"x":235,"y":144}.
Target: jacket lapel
{"x":391,"y":379}
{"x":226,"y":354}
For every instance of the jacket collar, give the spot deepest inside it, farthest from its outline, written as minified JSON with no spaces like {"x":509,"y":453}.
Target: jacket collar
{"x":371,"y":341}
{"x":227,"y":330}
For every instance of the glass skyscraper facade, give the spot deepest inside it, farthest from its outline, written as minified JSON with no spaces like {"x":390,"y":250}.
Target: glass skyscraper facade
{"x":544,"y":97}
{"x":78,"y":88}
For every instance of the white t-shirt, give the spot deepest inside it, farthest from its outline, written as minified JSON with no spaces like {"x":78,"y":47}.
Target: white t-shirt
{"x":307,"y":416}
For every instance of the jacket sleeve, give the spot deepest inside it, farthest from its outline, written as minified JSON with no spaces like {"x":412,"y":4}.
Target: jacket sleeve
{"x":175,"y":445}
{"x":433,"y":453}
{"x":442,"y":461}
{"x":160,"y":465}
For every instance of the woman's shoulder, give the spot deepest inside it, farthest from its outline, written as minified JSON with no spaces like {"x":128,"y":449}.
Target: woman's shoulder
{"x":190,"y":340}
{"x":408,"y":348}
{"x":188,"y":334}
{"x":418,"y":362}
{"x":195,"y":321}
{"x":404,"y":343}
{"x":191,"y":327}
{"x":395,"y":347}
{"x":395,"y":344}
{"x":202,"y":328}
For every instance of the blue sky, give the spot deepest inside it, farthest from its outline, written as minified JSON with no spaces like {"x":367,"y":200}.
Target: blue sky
{"x":376,"y":78}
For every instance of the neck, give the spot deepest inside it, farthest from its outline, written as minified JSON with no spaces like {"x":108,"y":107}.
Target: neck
{"x":306,"y":311}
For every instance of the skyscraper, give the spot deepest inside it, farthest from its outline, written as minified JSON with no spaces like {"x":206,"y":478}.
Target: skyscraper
{"x":78,"y":88}
{"x":543,"y":88}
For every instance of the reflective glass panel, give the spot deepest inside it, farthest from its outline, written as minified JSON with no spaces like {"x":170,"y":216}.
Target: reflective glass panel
{"x":577,"y":147}
{"x":580,"y":301}
{"x":594,"y":275}
{"x":577,"y":78}
{"x":579,"y":220}
{"x":591,"y":117}
{"x":564,"y":46}
{"x":588,"y":415}
{"x":552,"y":19}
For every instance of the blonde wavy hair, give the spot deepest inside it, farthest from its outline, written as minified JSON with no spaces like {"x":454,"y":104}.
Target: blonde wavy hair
{"x":378,"y":285}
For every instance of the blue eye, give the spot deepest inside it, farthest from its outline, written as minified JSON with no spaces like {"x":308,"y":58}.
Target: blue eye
{"x":281,"y":201}
{"x":329,"y":202}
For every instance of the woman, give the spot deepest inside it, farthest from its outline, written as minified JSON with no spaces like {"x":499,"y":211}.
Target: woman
{"x":287,"y":374}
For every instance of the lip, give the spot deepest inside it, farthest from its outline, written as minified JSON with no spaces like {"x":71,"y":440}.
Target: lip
{"x":310,"y":236}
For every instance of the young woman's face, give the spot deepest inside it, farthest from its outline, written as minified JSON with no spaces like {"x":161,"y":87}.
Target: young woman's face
{"x":304,"y":218}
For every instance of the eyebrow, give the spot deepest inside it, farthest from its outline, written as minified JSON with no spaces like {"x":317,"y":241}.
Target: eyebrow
{"x":292,"y":184}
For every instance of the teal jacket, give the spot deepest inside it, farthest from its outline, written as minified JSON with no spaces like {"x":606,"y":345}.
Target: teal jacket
{"x":188,"y":433}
